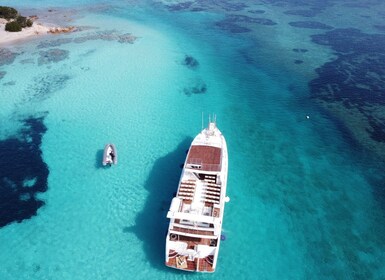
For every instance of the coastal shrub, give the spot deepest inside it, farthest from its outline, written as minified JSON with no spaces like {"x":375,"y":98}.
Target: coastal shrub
{"x":13,"y":26}
{"x":8,"y":12}
{"x":24,"y":22}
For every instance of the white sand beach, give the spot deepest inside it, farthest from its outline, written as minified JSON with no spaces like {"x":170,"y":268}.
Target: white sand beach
{"x":37,"y":29}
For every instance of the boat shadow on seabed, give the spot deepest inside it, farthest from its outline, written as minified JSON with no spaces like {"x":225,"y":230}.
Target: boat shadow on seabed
{"x":151,"y":223}
{"x":98,"y":159}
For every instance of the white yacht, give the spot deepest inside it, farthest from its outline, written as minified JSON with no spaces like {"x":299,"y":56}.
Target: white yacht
{"x":196,"y":213}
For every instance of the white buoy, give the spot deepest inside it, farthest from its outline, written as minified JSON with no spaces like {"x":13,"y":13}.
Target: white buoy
{"x":307,"y":117}
{"x":227,"y":199}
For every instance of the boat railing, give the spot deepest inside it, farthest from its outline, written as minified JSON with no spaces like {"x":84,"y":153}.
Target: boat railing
{"x":197,"y":163}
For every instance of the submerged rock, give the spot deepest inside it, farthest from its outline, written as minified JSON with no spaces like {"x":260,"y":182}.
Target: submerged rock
{"x":6,"y":56}
{"x":198,"y":87}
{"x":303,"y":13}
{"x":190,"y":62}
{"x":52,"y":56}
{"x":310,"y":25}
{"x":231,"y":23}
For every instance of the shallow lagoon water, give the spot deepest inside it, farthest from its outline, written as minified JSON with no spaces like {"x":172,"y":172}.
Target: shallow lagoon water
{"x":306,"y":198}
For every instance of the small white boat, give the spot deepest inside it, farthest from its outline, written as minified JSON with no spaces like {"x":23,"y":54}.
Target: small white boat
{"x":110,"y":156}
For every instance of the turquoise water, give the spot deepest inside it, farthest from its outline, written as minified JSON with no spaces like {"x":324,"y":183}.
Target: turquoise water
{"x":306,"y":199}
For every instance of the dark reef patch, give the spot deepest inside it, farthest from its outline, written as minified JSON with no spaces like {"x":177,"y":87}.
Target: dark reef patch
{"x":23,"y":173}
{"x":126,"y":38}
{"x":2,"y":74}
{"x":379,"y":27}
{"x":303,"y":13}
{"x":44,"y":87}
{"x":246,"y":19}
{"x":357,"y":5}
{"x":298,"y":61}
{"x":230,"y":23}
{"x":179,"y":7}
{"x":232,"y":27}
{"x":247,"y":56}
{"x":108,"y":35}
{"x":300,"y":50}
{"x":52,"y":56}
{"x":310,"y":25}
{"x":190,"y":62}
{"x":198,"y":87}
{"x":301,"y":4}
{"x":54,"y":43}
{"x":6,"y":56}
{"x":197,"y":9}
{"x":11,"y":83}
{"x":356,"y":78}
{"x":27,"y":61}
{"x":257,"y":12}
{"x":230,"y":7}
{"x":377,"y":130}
{"x":202,"y":5}
{"x":348,"y":40}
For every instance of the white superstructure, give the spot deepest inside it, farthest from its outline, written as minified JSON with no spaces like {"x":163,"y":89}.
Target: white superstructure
{"x":196,"y":213}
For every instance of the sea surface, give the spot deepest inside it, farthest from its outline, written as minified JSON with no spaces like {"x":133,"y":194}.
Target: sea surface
{"x":298,"y":90}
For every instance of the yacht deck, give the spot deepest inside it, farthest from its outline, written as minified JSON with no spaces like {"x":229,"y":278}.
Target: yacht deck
{"x":208,"y":157}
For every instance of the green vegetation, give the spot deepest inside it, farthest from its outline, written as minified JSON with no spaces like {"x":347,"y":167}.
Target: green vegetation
{"x":13,"y":26}
{"x":23,"y":21}
{"x":8,"y":13}
{"x":18,"y":21}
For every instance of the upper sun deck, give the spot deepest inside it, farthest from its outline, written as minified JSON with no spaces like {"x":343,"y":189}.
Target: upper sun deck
{"x":206,"y":158}
{"x":206,"y":150}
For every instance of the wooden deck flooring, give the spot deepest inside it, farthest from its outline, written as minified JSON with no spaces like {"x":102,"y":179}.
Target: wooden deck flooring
{"x":209,"y":157}
{"x":203,"y":264}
